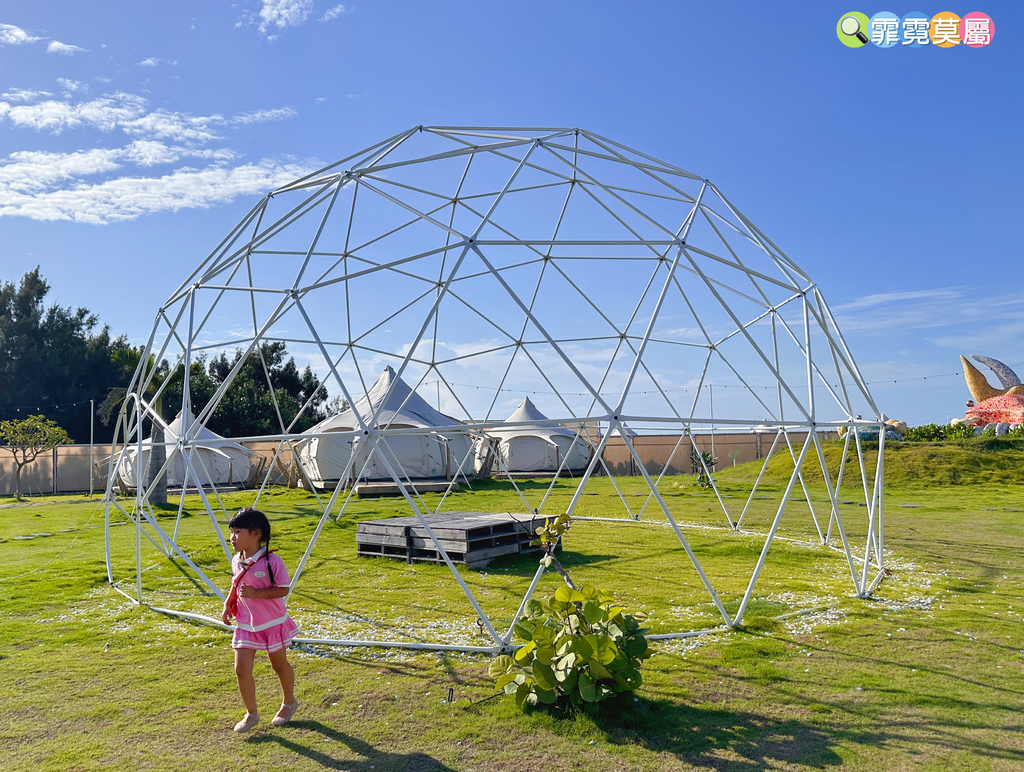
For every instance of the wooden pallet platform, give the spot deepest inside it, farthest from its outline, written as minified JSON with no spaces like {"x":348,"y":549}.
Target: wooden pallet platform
{"x":470,"y":538}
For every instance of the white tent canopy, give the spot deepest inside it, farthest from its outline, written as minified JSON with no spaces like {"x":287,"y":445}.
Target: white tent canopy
{"x":529,"y":444}
{"x":217,"y":460}
{"x":442,"y":449}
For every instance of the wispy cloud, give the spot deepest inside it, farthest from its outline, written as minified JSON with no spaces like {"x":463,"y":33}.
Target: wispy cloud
{"x":127,"y":198}
{"x":24,"y":95}
{"x":70,"y":87}
{"x":263,"y":116}
{"x":888,"y":298}
{"x":105,"y":113}
{"x":333,"y":13}
{"x":276,"y":15}
{"x":65,"y":49}
{"x":109,"y":184}
{"x":153,"y":61}
{"x":16,"y":36}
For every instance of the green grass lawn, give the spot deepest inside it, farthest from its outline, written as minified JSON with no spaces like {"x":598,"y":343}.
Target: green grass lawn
{"x":925,"y":675}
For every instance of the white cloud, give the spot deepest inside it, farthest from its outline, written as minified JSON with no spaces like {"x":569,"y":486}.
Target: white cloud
{"x":262,"y":116}
{"x":16,"y":36}
{"x":333,"y":13}
{"x":153,"y":61}
{"x":281,"y":14}
{"x":66,"y":49}
{"x":111,"y":111}
{"x":163,"y":124}
{"x":30,"y":171}
{"x":109,"y":184}
{"x":105,"y":113}
{"x":71,"y":86}
{"x":888,"y":298}
{"x":127,"y":198}
{"x":24,"y":95}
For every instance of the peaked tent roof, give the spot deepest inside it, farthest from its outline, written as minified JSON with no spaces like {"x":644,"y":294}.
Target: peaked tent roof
{"x":403,"y":406}
{"x":528,"y":413}
{"x":201,"y":435}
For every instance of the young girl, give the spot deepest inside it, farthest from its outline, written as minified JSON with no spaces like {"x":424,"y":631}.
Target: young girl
{"x":257,"y":601}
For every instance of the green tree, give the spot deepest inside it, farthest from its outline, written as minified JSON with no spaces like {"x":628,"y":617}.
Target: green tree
{"x":53,"y":360}
{"x":247,"y":408}
{"x":26,"y":438}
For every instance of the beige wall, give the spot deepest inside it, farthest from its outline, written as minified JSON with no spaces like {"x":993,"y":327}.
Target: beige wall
{"x":660,"y":451}
{"x":66,"y":469}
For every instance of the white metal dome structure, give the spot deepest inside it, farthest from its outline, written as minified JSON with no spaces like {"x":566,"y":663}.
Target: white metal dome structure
{"x":485,"y":263}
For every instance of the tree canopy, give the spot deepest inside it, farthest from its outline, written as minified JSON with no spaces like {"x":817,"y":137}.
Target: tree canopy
{"x":53,"y":360}
{"x":247,"y":408}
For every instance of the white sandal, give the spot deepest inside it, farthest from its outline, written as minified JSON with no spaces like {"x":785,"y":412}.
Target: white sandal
{"x":279,"y":719}
{"x":248,"y":722}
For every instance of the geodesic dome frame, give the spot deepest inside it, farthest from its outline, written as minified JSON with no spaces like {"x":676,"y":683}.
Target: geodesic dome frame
{"x":486,"y":262}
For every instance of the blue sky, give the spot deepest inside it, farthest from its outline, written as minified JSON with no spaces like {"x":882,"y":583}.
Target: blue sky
{"x":133,"y":136}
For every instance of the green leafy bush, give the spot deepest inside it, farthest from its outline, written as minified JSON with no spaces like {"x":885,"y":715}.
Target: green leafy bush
{"x":703,"y":463}
{"x":938,"y":433}
{"x":926,"y":433}
{"x":579,"y":648}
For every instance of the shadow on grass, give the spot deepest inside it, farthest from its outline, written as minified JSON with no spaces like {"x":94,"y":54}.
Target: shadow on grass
{"x":364,"y":753}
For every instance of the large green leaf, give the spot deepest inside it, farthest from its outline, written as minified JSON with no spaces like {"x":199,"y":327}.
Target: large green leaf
{"x":534,"y":608}
{"x":593,"y":612}
{"x":523,"y":653}
{"x":543,"y":634}
{"x":524,"y":691}
{"x":636,"y":646}
{"x":571,"y":678}
{"x":603,"y":648}
{"x":501,"y":665}
{"x":587,"y":690}
{"x":585,"y":647}
{"x":565,"y":594}
{"x":546,"y":696}
{"x":523,"y":629}
{"x":544,"y":675}
{"x":504,"y":681}
{"x":545,"y":653}
{"x":590,"y":592}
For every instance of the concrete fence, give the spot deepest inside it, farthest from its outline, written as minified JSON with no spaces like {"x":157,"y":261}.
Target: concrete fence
{"x":72,"y":469}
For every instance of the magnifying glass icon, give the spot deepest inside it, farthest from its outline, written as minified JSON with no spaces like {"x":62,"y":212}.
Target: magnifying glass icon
{"x":851,"y":26}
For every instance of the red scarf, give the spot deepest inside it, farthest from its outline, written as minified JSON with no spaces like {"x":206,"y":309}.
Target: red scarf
{"x":232,"y":601}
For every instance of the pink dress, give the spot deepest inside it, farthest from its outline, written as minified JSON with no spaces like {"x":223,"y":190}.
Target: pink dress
{"x":262,"y":623}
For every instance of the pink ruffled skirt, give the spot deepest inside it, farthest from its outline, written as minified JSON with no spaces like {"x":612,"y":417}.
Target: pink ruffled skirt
{"x":270,"y":640}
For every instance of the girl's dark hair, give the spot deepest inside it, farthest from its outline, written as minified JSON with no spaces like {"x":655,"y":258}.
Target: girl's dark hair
{"x":252,"y":519}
